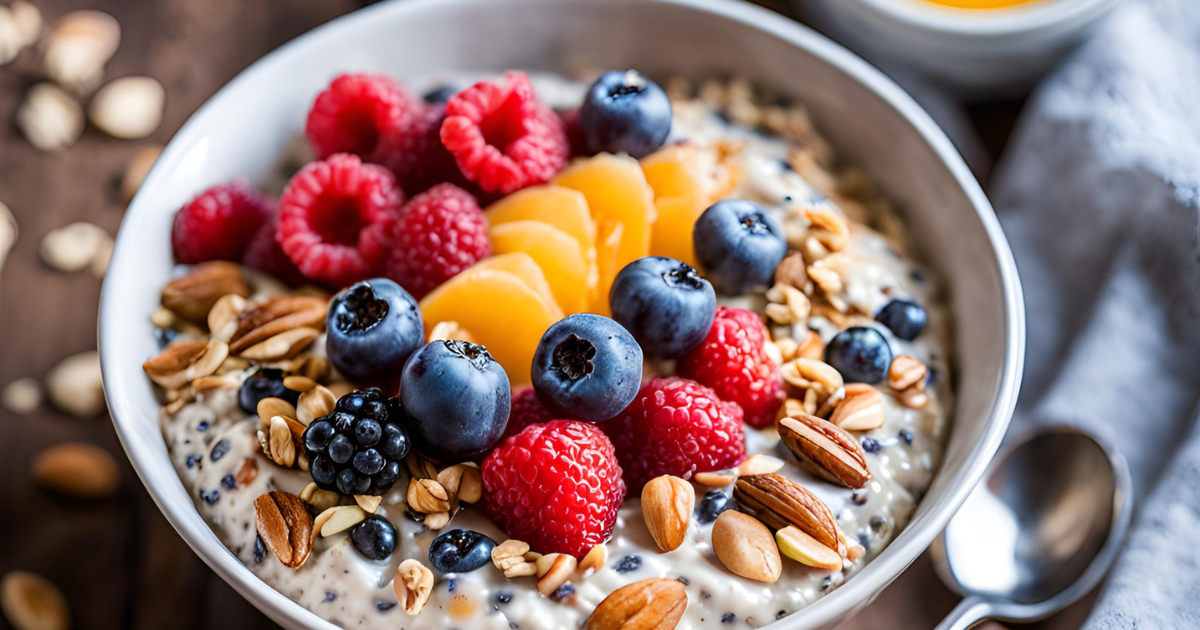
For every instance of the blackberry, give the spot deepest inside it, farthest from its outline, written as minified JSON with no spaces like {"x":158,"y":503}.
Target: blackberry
{"x":359,"y":447}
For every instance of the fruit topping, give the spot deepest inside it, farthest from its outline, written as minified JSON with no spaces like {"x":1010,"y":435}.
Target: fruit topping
{"x":526,"y":410}
{"x":731,"y":360}
{"x":440,"y":232}
{"x":556,"y":486}
{"x":905,"y":318}
{"x":676,"y":427}
{"x":714,"y":502}
{"x":264,"y":254}
{"x":506,"y":304}
{"x":359,"y":447}
{"x":622,"y":206}
{"x":739,"y":245}
{"x":460,"y":551}
{"x":557,"y":253}
{"x":861,"y":354}
{"x":262,"y":384}
{"x":219,"y":223}
{"x":587,"y":367}
{"x":355,"y":112}
{"x":415,"y":154}
{"x":556,"y":206}
{"x":374,"y":538}
{"x":457,"y":399}
{"x":336,"y":218}
{"x":624,"y":112}
{"x":664,"y":304}
{"x":502,"y":137}
{"x":372,"y":328}
{"x":687,"y":178}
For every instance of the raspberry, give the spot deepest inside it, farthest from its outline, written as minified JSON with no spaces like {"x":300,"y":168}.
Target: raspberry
{"x":264,"y":254}
{"x":355,"y":112}
{"x":526,"y":410}
{"x":336,"y":218}
{"x":502,"y":137}
{"x":676,"y":427}
{"x":440,"y":232}
{"x":415,"y":153}
{"x":731,"y":360}
{"x":556,"y":486}
{"x":219,"y":223}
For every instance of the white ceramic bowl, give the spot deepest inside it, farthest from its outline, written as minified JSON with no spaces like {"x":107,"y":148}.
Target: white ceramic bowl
{"x":974,"y":52}
{"x":242,"y":129}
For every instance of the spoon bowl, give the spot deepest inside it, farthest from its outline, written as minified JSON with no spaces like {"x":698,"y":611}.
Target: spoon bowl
{"x":1039,"y":532}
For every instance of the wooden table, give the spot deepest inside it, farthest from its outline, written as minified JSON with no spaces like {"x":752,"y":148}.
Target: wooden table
{"x":118,"y":561}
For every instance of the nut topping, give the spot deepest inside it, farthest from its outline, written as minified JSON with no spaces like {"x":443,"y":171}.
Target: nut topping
{"x":276,"y":316}
{"x":194,"y":295}
{"x":413,"y":584}
{"x":860,"y":410}
{"x":905,"y":371}
{"x":338,"y":519}
{"x":805,"y":549}
{"x":509,"y":557}
{"x":825,"y":450}
{"x":77,"y":470}
{"x":427,"y":496}
{"x":554,"y":570}
{"x":285,"y":526}
{"x":653,"y":604}
{"x":667,"y":507}
{"x":594,"y":560}
{"x":183,"y":362}
{"x":31,"y":602}
{"x":778,"y":502}
{"x":745,"y":546}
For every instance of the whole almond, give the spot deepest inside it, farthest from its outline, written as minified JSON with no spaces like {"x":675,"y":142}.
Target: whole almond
{"x":779,"y":502}
{"x":31,"y":602}
{"x":667,"y":507}
{"x":283,"y":522}
{"x":746,"y":547}
{"x":194,"y":295}
{"x":653,"y":604}
{"x":825,"y":450}
{"x":78,"y":470}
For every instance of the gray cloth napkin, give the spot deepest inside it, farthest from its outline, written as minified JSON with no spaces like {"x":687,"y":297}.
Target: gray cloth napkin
{"x":1098,"y":194}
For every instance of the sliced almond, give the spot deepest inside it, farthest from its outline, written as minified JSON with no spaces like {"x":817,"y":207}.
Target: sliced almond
{"x":811,"y":346}
{"x":77,"y":470}
{"x":828,"y":226}
{"x":436,"y":520}
{"x":594,"y":559}
{"x":223,"y":316}
{"x":196,"y":360}
{"x":31,"y":602}
{"x":509,"y":557}
{"x":319,"y":499}
{"x":336,"y":520}
{"x":298,"y":383}
{"x":427,"y":496}
{"x":281,"y":346}
{"x":779,"y":502}
{"x":653,"y":604}
{"x":860,"y":410}
{"x":759,"y":464}
{"x":745,"y":547}
{"x":285,"y":526}
{"x":195,"y":294}
{"x":558,"y":570}
{"x":283,"y":448}
{"x":271,"y":407}
{"x":369,"y":503}
{"x":275,"y":316}
{"x":413,"y":584}
{"x":825,"y":450}
{"x":314,"y":403}
{"x":714,"y":479}
{"x":805,"y":549}
{"x":667,"y":504}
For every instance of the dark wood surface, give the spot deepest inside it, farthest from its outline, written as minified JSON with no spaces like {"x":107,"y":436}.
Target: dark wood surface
{"x":118,"y":561}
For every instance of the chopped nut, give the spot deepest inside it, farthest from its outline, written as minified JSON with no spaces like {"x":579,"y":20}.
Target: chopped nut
{"x":825,"y":277}
{"x":788,"y":305}
{"x":31,"y":602}
{"x":79,"y":45}
{"x":282,"y":346}
{"x":223,"y":316}
{"x":653,"y":604}
{"x":75,"y":385}
{"x":413,"y":584}
{"x":271,"y":407}
{"x":553,"y":571}
{"x":667,"y":504}
{"x":791,"y":271}
{"x":314,"y":403}
{"x":28,"y":21}
{"x":811,"y":347}
{"x":320,"y":500}
{"x":594,"y":560}
{"x":285,"y":527}
{"x":194,"y":295}
{"x":336,"y":520}
{"x":714,"y":479}
{"x":283,"y":449}
{"x":183,"y":362}
{"x":129,"y":108}
{"x":299,"y":383}
{"x":914,"y":398}
{"x":759,"y":464}
{"x":813,"y":381}
{"x":50,"y":118}
{"x":746,"y":547}
{"x":277,"y":315}
{"x":369,"y":503}
{"x":509,"y":557}
{"x":74,"y":246}
{"x":905,"y":371}
{"x":437,"y":520}
{"x":462,"y":480}
{"x":427,"y":496}
{"x":246,"y":473}
{"x":137,"y":169}
{"x":828,"y":226}
{"x":860,"y":410}
{"x":77,"y":470}
{"x":22,"y":396}
{"x":805,"y":549}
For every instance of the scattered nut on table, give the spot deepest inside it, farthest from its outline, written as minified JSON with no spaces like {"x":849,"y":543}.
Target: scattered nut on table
{"x":50,"y":118}
{"x":28,"y":20}
{"x":129,"y":108}
{"x":79,"y":45}
{"x":75,"y":246}
{"x":22,"y":396}
{"x":136,"y":170}
{"x":78,"y":470}
{"x":75,"y":385}
{"x":10,"y":36}
{"x":31,"y":602}
{"x":8,"y":232}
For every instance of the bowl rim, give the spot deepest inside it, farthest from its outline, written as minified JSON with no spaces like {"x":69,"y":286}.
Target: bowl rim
{"x":1036,"y":16}
{"x":880,"y":572}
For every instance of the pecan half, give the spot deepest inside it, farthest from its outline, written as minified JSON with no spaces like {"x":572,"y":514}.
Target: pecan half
{"x":276,"y":316}
{"x":825,"y":450}
{"x":194,"y":295}
{"x":286,"y":527}
{"x":778,"y":502}
{"x":653,"y":604}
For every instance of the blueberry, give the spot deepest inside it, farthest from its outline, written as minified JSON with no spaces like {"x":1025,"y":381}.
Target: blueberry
{"x":210,"y":496}
{"x":439,"y":94}
{"x":728,"y":618}
{"x":625,"y":112}
{"x":374,"y":538}
{"x":346,"y":450}
{"x":457,"y":399}
{"x":860,"y":354}
{"x":229,"y":482}
{"x":739,"y":245}
{"x":192,"y":460}
{"x":664,"y":304}
{"x":503,"y":597}
{"x":587,"y":367}
{"x":373,"y":327}
{"x":460,"y":551}
{"x":629,"y":563}
{"x":260,"y":549}
{"x":905,"y":318}
{"x":219,"y":450}
{"x":264,"y":384}
{"x":711,"y":506}
{"x":871,"y":445}
{"x":384,"y":606}
{"x":906,"y":435}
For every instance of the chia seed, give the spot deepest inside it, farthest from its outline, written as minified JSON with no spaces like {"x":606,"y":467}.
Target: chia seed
{"x":877,"y":522}
{"x":564,"y":592}
{"x":728,"y":618}
{"x":629,"y":563}
{"x":192,"y":460}
{"x":229,"y":482}
{"x":906,"y":436}
{"x":203,"y":426}
{"x":330,"y":596}
{"x":210,"y":497}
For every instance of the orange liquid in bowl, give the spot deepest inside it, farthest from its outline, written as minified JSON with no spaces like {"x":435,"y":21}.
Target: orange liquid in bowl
{"x":981,"y":4}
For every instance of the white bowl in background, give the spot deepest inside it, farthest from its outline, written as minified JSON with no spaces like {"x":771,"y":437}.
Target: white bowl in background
{"x":243,"y":128}
{"x":975,"y":52}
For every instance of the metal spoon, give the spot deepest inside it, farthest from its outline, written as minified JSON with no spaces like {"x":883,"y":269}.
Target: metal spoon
{"x":1039,"y":533}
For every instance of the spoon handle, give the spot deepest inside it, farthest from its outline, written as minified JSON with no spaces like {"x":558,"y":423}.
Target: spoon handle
{"x":968,"y":612}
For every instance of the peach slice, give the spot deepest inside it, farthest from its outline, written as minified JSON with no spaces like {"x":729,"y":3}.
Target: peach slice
{"x":563,"y":208}
{"x":687,"y":178}
{"x":555,"y":251}
{"x":622,"y":204}
{"x":495,"y":301}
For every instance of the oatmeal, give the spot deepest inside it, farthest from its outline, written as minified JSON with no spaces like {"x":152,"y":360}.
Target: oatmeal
{"x":814,"y":457}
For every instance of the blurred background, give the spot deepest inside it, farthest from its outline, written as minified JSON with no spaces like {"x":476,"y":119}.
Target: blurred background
{"x":117,"y":561}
